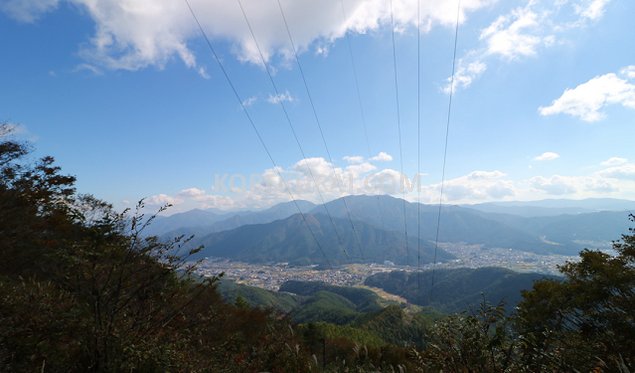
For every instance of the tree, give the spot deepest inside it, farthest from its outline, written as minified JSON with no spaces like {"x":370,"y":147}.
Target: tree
{"x":588,"y":319}
{"x":480,"y":342}
{"x":83,"y":289}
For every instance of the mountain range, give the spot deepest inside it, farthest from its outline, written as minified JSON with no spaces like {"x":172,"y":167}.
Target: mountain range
{"x":553,"y":207}
{"x":279,"y":234}
{"x":289,"y":240}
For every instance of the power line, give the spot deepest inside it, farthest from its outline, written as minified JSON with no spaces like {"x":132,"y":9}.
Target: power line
{"x":361,"y":108}
{"x":317,"y":121}
{"x":447,"y":134}
{"x":418,"y":145}
{"x":292,"y":128}
{"x":394,"y":60}
{"x":253,"y":126}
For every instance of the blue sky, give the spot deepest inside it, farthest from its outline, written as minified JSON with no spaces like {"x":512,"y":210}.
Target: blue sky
{"x":127,"y":97}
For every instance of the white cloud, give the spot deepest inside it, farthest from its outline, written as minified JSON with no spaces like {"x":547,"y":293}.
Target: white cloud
{"x":600,"y":185}
{"x":382,"y":157}
{"x":161,"y":199}
{"x":271,"y":177}
{"x":353,"y":159}
{"x":547,"y":156}
{"x":614,"y":161}
{"x":281,"y":97}
{"x":587,"y":100}
{"x":623,"y":171}
{"x":554,"y":185}
{"x":387,"y":181}
{"x":192,"y":192}
{"x":524,"y":32}
{"x":135,"y":34}
{"x":359,"y":169}
{"x":202,"y":71}
{"x":616,"y":179}
{"x":591,"y":9}
{"x":27,"y":10}
{"x":476,"y":186}
{"x":88,"y":67}
{"x":465,"y":74}
{"x":484,"y":175}
{"x":628,"y":72}
{"x":511,"y":36}
{"x":576,"y":186}
{"x":250,"y":101}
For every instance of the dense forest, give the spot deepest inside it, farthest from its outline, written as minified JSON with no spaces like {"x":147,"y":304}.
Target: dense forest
{"x":82,"y":288}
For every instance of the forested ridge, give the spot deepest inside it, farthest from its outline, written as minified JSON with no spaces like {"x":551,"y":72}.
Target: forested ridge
{"x":83,"y":289}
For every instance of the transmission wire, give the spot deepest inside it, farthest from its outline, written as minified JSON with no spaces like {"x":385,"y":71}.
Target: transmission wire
{"x":445,"y":150}
{"x":361,"y":110}
{"x":291,"y":127}
{"x":258,"y":135}
{"x":418,"y":146}
{"x":394,"y":60}
{"x":317,"y":121}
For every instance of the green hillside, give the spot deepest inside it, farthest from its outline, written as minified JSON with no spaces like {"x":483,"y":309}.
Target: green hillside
{"x":289,"y":240}
{"x":257,"y":297}
{"x":457,"y":290}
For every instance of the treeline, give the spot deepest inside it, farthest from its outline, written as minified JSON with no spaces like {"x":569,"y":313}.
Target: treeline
{"x":82,"y":289}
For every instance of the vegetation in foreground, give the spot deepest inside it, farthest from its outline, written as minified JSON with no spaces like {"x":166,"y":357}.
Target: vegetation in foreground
{"x":81,"y":289}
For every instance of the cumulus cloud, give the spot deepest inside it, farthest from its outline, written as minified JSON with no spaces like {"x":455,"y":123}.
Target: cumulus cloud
{"x":192,"y":192}
{"x":27,"y":10}
{"x":249,"y":101}
{"x":194,"y":198}
{"x":547,"y":156}
{"x":628,"y":72}
{"x":591,"y":9}
{"x":353,"y":159}
{"x":511,"y":36}
{"x":587,"y":100}
{"x":614,"y":161}
{"x":382,"y":157}
{"x":317,"y":165}
{"x":554,"y":185}
{"x":281,"y":97}
{"x":616,"y":179}
{"x":135,"y":34}
{"x":387,"y":181}
{"x":478,"y":186}
{"x":623,"y":171}
{"x":465,"y":75}
{"x":161,"y":199}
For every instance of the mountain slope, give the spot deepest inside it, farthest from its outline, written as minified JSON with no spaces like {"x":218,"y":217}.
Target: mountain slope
{"x":457,"y":224}
{"x":257,"y":297}
{"x":277,"y":212}
{"x":570,"y":231}
{"x":289,"y":240}
{"x":228,"y":221}
{"x":193,"y":220}
{"x":553,"y":207}
{"x":456,"y":290}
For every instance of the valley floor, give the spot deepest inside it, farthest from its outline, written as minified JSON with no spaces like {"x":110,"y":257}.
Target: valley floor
{"x":270,"y":277}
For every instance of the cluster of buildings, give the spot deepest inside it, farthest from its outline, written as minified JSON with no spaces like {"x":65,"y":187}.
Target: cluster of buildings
{"x":471,"y":256}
